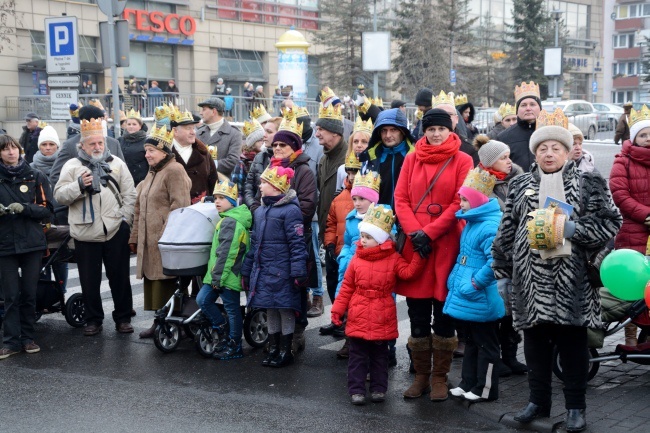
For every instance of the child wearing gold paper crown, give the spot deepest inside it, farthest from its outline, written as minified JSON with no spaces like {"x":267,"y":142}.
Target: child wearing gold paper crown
{"x":367,"y":295}
{"x":473,"y":298}
{"x":229,"y":244}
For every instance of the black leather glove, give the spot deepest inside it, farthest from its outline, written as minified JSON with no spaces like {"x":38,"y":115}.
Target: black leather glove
{"x":425,"y":251}
{"x":330,"y":250}
{"x":420,"y":240}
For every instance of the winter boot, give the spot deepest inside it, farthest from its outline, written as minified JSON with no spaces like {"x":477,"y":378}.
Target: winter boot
{"x":509,"y":358}
{"x":233,"y":351}
{"x":274,"y":349}
{"x":509,"y":340}
{"x":443,"y":353}
{"x":148,"y":333}
{"x":503,"y":369}
{"x":421,"y":356}
{"x":299,"y":339}
{"x":344,"y":352}
{"x":316,"y":309}
{"x":630,"y":335}
{"x":285,"y":357}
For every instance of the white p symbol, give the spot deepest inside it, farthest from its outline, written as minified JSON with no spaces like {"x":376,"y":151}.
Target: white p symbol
{"x":61,"y":37}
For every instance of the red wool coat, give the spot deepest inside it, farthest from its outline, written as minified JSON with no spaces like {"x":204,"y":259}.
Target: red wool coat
{"x":339,"y":209}
{"x":629,"y":182}
{"x":444,"y":229}
{"x":366,"y":292}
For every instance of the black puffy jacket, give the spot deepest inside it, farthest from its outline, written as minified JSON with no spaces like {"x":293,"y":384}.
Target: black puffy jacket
{"x":518,"y":138}
{"x":252,"y":185}
{"x":133,"y":150}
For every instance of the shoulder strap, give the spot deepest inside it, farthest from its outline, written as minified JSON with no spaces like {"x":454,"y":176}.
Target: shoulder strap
{"x":433,"y":182}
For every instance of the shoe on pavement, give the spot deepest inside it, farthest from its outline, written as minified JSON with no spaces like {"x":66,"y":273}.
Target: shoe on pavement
{"x":5,"y":353}
{"x":31,"y":348}
{"x":327,"y":329}
{"x":470,"y":396}
{"x":377,"y":397}
{"x":124,"y":328}
{"x":316,"y":309}
{"x":92,"y":329}
{"x":233,"y":350}
{"x":358,"y":399}
{"x":457,"y":392}
{"x":576,"y":420}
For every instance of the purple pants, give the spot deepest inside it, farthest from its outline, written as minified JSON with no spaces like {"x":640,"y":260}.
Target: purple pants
{"x":367,"y":357}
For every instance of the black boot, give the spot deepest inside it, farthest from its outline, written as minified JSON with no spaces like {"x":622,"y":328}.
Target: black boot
{"x":274,"y":349}
{"x":509,"y":354}
{"x":576,"y":420}
{"x":285,"y":357}
{"x":503,"y":369}
{"x":532,"y":411}
{"x":509,"y":340}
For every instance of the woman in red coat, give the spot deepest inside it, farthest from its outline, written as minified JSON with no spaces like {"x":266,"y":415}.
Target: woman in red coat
{"x":433,"y":233}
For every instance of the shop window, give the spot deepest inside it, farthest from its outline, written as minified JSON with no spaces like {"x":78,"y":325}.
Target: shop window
{"x":38,"y":45}
{"x":251,"y":17}
{"x":151,"y":61}
{"x":234,"y":64}
{"x":226,"y":13}
{"x":313,"y":77}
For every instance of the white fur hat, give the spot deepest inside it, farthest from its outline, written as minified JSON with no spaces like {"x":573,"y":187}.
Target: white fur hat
{"x":638,"y":126}
{"x":378,"y":234}
{"x":551,"y":132}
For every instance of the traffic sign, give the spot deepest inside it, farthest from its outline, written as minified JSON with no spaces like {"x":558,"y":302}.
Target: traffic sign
{"x":62,"y":45}
{"x":60,"y":101}
{"x":63,"y":81}
{"x":594,"y":87}
{"x":452,"y":77}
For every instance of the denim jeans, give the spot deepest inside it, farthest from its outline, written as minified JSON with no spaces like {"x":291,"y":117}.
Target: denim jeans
{"x":316,"y":291}
{"x":207,"y":298}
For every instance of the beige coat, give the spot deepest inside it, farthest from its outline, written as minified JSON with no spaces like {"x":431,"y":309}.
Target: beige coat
{"x":109,"y":212}
{"x":159,"y":193}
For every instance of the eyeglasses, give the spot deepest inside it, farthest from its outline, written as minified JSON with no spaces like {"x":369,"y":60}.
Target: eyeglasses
{"x":279,"y":143}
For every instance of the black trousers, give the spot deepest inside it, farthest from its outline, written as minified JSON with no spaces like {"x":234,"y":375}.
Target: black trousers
{"x":367,"y":357}
{"x":571,"y":342}
{"x":420,"y":310}
{"x":479,"y":372}
{"x":331,"y":276}
{"x":115,"y":256}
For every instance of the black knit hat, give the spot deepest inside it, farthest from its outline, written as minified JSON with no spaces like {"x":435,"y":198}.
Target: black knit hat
{"x":528,"y":97}
{"x":436,"y":117}
{"x":423,"y":97}
{"x":88,"y":112}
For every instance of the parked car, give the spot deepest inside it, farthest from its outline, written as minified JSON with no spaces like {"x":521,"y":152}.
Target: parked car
{"x":580,"y":112}
{"x":484,"y":119}
{"x":608,"y":115}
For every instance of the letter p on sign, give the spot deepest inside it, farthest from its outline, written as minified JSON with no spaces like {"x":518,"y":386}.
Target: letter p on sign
{"x":61,"y":42}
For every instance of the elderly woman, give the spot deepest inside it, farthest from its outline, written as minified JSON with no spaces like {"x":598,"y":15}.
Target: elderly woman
{"x":426,"y":214}
{"x":552,"y":300}
{"x":132,"y":144}
{"x":259,"y":164}
{"x":581,"y":157}
{"x":166,"y":187}
{"x":25,"y":202}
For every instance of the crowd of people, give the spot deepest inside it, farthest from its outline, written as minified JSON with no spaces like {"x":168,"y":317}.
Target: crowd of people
{"x":465,"y":226}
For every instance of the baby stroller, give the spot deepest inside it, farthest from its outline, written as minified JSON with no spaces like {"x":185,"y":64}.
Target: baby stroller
{"x":50,"y":296}
{"x":185,"y":249}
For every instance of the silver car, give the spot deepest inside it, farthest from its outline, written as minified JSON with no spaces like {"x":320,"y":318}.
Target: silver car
{"x":608,"y":115}
{"x":580,"y":112}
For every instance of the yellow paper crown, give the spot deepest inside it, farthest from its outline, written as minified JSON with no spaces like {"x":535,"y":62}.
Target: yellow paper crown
{"x":369,"y":180}
{"x":480,"y":180}
{"x":546,"y":228}
{"x":259,"y":111}
{"x":75,"y":113}
{"x":442,"y":99}
{"x":557,"y":118}
{"x":91,"y":127}
{"x":418,"y":114}
{"x":330,"y":112}
{"x":162,"y":136}
{"x":122,"y":116}
{"x":212,"y":150}
{"x":162,"y":112}
{"x":361,"y":126}
{"x":226,"y":189}
{"x":42,"y":124}
{"x":460,"y":100}
{"x":96,"y":103}
{"x":506,"y":110}
{"x":526,"y":89}
{"x":271,"y":175}
{"x":352,"y":162}
{"x":377,"y":102}
{"x":326,"y":94}
{"x":132,"y":114}
{"x":177,"y":116}
{"x":363,"y":108}
{"x":300,"y":111}
{"x":637,"y":116}
{"x":250,"y":127}
{"x":291,"y":125}
{"x":380,"y":216}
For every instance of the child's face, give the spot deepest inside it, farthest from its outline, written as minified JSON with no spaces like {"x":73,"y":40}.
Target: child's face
{"x":367,"y":241}
{"x":268,"y":190}
{"x":221,"y":203}
{"x":643,"y":138}
{"x":361,"y":204}
{"x":351,"y":175}
{"x":464,"y":204}
{"x":503,"y":164}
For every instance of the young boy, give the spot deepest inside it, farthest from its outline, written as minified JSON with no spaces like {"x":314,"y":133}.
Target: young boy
{"x":277,"y":262}
{"x":367,"y":295}
{"x":229,"y":245}
{"x":473,"y":298}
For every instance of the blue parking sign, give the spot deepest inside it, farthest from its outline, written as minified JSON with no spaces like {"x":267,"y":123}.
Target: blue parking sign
{"x":61,"y":45}
{"x":61,"y":40}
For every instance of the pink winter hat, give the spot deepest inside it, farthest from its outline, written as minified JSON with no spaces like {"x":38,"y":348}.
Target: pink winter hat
{"x":474,"y":197}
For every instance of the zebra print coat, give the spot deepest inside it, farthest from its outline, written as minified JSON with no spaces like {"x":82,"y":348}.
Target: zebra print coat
{"x":554,"y":291}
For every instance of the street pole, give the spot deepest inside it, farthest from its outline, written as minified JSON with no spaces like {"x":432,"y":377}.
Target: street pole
{"x":593,"y":72}
{"x":451,"y":58}
{"x":113,"y":60}
{"x":375,"y":75}
{"x":556,"y":15}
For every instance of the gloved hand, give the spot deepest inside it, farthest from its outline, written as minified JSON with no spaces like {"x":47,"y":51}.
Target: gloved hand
{"x":302,"y":281}
{"x":420,"y":240}
{"x":330,"y":250}
{"x":16,"y":207}
{"x":425,"y":251}
{"x":504,"y":286}
{"x":336,"y":319}
{"x":133,"y":248}
{"x":647,"y":221}
{"x":245,"y":283}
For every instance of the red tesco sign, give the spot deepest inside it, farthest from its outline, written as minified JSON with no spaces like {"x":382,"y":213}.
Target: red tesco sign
{"x":156,"y":21}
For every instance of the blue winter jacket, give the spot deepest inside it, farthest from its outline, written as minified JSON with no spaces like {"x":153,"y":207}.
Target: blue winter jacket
{"x":483,"y":302}
{"x":277,"y":255}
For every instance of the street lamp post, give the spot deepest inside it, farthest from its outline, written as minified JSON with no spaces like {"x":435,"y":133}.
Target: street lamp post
{"x":556,"y":16}
{"x":593,"y":70}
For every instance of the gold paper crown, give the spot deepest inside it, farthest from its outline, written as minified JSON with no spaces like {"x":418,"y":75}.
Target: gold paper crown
{"x":460,"y":100}
{"x":330,"y":112}
{"x":259,"y":111}
{"x":369,"y":180}
{"x":637,"y":116}
{"x":506,"y":110}
{"x":250,"y":127}
{"x":291,"y":125}
{"x":418,"y":114}
{"x":363,"y":108}
{"x":557,"y":118}
{"x":96,"y":103}
{"x":377,"y":102}
{"x":361,"y":126}
{"x":177,"y":116}
{"x":300,"y":111}
{"x":282,"y":183}
{"x":526,"y":89}
{"x":162,"y":112}
{"x":480,"y":180}
{"x":546,"y":228}
{"x":380,"y":216}
{"x":352,"y":161}
{"x":227,"y":189}
{"x":443,"y":99}
{"x":162,"y":136}
{"x":91,"y":127}
{"x":326,"y":94}
{"x":132,"y":114}
{"x":212,"y":150}
{"x":122,"y":116}
{"x":42,"y":124}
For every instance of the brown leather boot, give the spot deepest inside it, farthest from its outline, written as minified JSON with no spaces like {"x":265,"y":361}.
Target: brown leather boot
{"x":421,"y":356}
{"x":148,"y":333}
{"x":443,"y":353}
{"x":630,"y":335}
{"x":316,"y":309}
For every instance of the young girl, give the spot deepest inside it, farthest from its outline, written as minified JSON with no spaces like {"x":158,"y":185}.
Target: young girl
{"x":473,"y":298}
{"x":277,"y":261}
{"x":367,"y":295}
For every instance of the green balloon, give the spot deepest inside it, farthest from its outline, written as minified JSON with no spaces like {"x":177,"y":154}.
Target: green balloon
{"x":625,"y":273}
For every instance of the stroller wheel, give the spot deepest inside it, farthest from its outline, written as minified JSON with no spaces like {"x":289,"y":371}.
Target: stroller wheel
{"x":166,"y":337}
{"x":75,"y":310}
{"x":206,"y":341}
{"x":256,"y":331}
{"x":593,"y":366}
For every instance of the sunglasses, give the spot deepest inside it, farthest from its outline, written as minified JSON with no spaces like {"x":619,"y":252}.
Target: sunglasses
{"x":279,"y":143}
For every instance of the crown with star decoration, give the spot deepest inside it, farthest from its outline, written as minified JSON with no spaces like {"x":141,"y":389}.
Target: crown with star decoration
{"x":556,"y":118}
{"x":132,"y":114}
{"x":526,"y":89}
{"x":460,"y":100}
{"x":363,"y":126}
{"x":369,"y":180}
{"x":381,"y":217}
{"x":480,"y":180}
{"x":250,"y":127}
{"x":330,"y":112}
{"x":442,"y":99}
{"x":259,"y":111}
{"x":506,"y":110}
{"x":637,"y":116}
{"x":179,"y":116}
{"x":162,"y":112}
{"x":294,"y":112}
{"x":226,"y":189}
{"x":363,"y":108}
{"x":280,"y":182}
{"x":91,"y":127}
{"x":163,"y":136}
{"x":291,"y":125}
{"x":352,"y":162}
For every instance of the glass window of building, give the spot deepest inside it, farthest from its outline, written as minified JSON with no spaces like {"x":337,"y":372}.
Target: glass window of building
{"x":241,"y":64}
{"x":313,"y":74}
{"x":150,"y":6}
{"x":151,"y":61}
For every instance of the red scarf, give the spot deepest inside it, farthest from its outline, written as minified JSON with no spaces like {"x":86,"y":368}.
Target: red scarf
{"x":433,"y":154}
{"x":498,"y":174}
{"x":285,"y":162}
{"x":375,"y":253}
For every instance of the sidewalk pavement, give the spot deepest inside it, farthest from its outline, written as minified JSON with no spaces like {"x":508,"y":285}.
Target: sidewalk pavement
{"x":618,"y":397}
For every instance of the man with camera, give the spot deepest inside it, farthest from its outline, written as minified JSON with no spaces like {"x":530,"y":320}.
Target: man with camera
{"x":98,"y":189}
